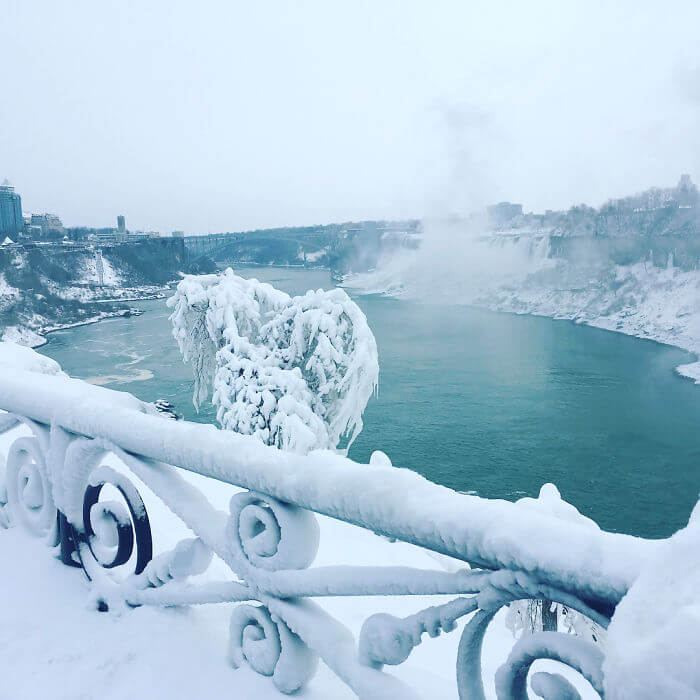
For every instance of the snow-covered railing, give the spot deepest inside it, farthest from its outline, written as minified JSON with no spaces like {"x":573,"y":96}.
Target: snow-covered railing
{"x":269,"y":538}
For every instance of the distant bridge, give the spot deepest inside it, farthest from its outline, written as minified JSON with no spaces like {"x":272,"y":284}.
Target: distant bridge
{"x":199,"y":246}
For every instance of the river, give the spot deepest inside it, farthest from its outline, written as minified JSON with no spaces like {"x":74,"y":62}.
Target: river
{"x":482,"y":402}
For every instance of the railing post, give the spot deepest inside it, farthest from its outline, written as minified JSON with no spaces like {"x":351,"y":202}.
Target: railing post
{"x":549,"y":616}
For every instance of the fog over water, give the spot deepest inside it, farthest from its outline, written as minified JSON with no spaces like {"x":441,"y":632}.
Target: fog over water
{"x":456,"y":262}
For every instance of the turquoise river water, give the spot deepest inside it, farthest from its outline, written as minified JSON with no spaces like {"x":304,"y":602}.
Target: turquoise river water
{"x":486,"y":403}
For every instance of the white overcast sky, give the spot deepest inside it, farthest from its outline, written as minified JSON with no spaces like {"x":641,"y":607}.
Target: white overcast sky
{"x":215,"y":116}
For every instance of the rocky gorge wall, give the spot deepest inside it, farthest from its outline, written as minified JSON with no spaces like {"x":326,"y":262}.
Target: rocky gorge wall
{"x":43,"y":286}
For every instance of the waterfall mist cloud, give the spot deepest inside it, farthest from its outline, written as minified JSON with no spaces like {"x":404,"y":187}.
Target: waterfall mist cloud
{"x":455,"y":263}
{"x":228,"y":115}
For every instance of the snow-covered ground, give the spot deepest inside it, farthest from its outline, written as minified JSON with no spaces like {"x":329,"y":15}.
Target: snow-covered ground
{"x":53,"y":641}
{"x":658,"y":303}
{"x":44,"y":287}
{"x":7,"y":291}
{"x":313,"y":256}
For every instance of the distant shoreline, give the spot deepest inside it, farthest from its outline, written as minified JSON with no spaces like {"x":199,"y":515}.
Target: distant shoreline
{"x":103,"y":316}
{"x":627,"y":324}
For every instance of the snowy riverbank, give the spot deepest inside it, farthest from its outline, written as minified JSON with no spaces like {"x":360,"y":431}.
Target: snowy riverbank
{"x":46,"y":287}
{"x":660,"y":304}
{"x":32,"y":333}
{"x":642,"y":299}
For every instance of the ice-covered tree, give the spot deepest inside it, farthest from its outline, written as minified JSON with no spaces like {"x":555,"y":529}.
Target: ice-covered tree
{"x":295,"y":372}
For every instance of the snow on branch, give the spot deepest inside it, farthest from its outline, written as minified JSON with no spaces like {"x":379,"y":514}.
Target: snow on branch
{"x":295,"y":372}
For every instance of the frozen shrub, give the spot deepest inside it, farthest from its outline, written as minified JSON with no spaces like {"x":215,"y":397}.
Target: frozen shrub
{"x":295,"y":372}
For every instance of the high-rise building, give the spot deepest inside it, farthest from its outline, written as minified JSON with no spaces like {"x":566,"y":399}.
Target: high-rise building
{"x":48,"y":224}
{"x":121,"y":224}
{"x":11,"y":221}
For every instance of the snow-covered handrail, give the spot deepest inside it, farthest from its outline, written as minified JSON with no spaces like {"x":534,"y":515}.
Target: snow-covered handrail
{"x":270,"y":536}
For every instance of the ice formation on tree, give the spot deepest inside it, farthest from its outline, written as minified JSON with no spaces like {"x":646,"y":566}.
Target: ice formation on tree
{"x":295,"y":372}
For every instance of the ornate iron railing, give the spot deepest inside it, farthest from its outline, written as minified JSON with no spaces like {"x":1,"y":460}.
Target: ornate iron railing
{"x":55,"y":479}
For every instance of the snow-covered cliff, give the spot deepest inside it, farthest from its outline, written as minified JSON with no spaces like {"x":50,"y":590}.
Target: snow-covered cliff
{"x":45,"y":286}
{"x":644,"y":285}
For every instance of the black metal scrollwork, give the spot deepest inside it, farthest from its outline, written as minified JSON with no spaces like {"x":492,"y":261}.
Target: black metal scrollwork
{"x":128,"y":528}
{"x":111,"y":531}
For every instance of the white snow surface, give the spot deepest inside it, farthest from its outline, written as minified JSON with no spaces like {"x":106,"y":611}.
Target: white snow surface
{"x":23,"y":336}
{"x":550,"y":502}
{"x":521,"y":617}
{"x":14,"y":356}
{"x":388,"y":500}
{"x":7,"y":290}
{"x":33,"y":328}
{"x":294,"y":372}
{"x":52,"y":641}
{"x":654,"y":638}
{"x":314,"y":256}
{"x":89,"y":273}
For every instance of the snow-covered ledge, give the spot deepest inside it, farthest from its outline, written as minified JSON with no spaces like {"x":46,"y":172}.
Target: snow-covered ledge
{"x":269,"y":537}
